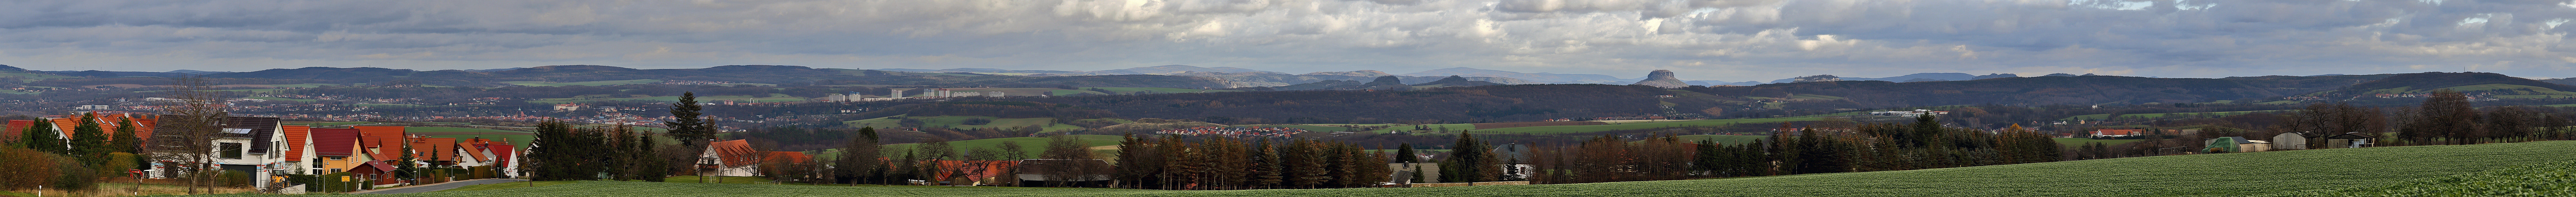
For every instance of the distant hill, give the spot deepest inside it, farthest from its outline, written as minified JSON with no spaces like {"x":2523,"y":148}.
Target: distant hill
{"x":2465,"y":82}
{"x":2561,"y":81}
{"x":1534,"y":77}
{"x":1916,"y":77}
{"x":2079,"y":90}
{"x":1171,"y":69}
{"x":763,"y":74}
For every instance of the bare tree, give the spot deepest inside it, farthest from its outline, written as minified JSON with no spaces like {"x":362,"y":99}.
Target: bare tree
{"x":194,"y":115}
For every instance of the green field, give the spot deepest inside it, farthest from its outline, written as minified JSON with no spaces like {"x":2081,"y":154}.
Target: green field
{"x":1729,"y":140}
{"x":1153,"y":90}
{"x":516,"y":138}
{"x":958,"y":122}
{"x":281,"y":99}
{"x":2073,"y":142}
{"x":1032,"y":145}
{"x":1428,"y":128}
{"x":585,"y":83}
{"x":2397,"y":171}
{"x":2156,"y":116}
{"x":1543,"y":130}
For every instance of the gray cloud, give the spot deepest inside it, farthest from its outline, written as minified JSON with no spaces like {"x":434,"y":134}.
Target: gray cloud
{"x":1702,"y":39}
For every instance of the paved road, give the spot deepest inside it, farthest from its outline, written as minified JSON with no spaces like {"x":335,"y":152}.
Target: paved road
{"x":442,"y":186}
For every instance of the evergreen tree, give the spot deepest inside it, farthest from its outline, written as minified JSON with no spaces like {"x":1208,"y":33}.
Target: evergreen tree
{"x":43,"y":137}
{"x":1265,"y":169}
{"x":650,"y":166}
{"x":125,"y":139}
{"x":1404,"y":153}
{"x":1470,"y":160}
{"x":686,"y":124}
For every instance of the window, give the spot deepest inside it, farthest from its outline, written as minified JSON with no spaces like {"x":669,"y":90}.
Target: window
{"x":335,"y":170}
{"x":228,"y":150}
{"x":317,"y":171}
{"x":335,"y":158}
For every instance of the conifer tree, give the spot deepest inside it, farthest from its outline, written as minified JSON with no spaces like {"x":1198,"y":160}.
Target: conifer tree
{"x":1404,"y":153}
{"x":43,"y":137}
{"x":859,"y":159}
{"x":686,"y":126}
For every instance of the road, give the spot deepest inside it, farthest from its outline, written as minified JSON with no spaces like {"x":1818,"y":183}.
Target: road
{"x":442,"y":186}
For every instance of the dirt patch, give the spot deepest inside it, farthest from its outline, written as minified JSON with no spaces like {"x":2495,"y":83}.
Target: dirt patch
{"x":1534,"y":124}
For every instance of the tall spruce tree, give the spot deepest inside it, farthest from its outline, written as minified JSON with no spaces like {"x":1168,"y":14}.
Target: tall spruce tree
{"x":1404,"y":153}
{"x":686,"y":125}
{"x":43,"y":137}
{"x":650,"y":166}
{"x":1470,"y":160}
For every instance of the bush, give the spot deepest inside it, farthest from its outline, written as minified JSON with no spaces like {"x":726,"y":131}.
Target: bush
{"x":234,"y":179}
{"x":24,"y":176}
{"x":331,"y":182}
{"x":70,"y":174}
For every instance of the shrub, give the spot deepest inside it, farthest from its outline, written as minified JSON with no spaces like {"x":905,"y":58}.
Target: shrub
{"x":70,"y":174}
{"x":234,"y":178}
{"x":24,"y":176}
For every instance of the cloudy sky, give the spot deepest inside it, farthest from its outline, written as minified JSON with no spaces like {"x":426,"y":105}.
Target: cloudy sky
{"x":1702,"y":40}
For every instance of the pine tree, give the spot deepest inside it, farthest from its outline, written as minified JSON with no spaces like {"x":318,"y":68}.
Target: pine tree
{"x":651,"y":167}
{"x":1404,"y":153}
{"x":686,"y":125}
{"x":43,"y":137}
{"x":126,"y":140}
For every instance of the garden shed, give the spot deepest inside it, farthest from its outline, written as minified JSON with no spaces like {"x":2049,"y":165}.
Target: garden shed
{"x":2290,"y":141}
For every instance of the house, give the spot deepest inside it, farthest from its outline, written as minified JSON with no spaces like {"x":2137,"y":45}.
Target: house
{"x":2119,"y":132}
{"x":377,"y":173}
{"x":247,"y":144}
{"x":2290,"y":141}
{"x":336,"y":150}
{"x":2349,"y":140}
{"x":1069,"y":172}
{"x":730,"y":158}
{"x":975,"y":172}
{"x":382,"y":142}
{"x":437,"y":152}
{"x":1515,"y":158}
{"x":298,"y":149}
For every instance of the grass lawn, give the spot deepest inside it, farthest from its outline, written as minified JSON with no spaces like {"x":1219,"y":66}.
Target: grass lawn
{"x":959,"y":122}
{"x":2073,"y":142}
{"x":1544,"y":130}
{"x":2459,"y":170}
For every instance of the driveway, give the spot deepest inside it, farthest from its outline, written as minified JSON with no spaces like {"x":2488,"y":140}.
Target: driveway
{"x":440,"y":186}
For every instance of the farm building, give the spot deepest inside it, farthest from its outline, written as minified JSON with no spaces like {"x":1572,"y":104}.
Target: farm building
{"x":2290,"y":141}
{"x":973,"y":173}
{"x":2349,"y":140}
{"x":2235,"y":145}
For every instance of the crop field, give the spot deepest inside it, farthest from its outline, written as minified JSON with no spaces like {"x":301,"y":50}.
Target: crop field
{"x":958,"y":122}
{"x":2073,"y":142}
{"x":1428,"y":128}
{"x":1032,"y":145}
{"x":2542,"y":179}
{"x":1533,"y":124}
{"x":1544,"y":130}
{"x":1729,"y":140}
{"x":2156,"y":116}
{"x":2537,"y":168}
{"x":585,"y":83}
{"x":1310,"y":128}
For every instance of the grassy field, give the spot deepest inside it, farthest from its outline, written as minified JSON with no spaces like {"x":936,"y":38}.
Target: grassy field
{"x":2072,"y":142}
{"x":958,"y":122}
{"x":2461,"y":170}
{"x":2155,"y":116}
{"x":1543,"y":130}
{"x":1153,"y":90}
{"x":1729,"y":140}
{"x":1032,"y":145}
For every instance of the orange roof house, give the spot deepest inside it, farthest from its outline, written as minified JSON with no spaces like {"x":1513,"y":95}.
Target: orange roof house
{"x":974,"y":172}
{"x":434,"y":149}
{"x":387,"y":140}
{"x":2119,"y":132}
{"x":734,"y":158}
{"x":295,"y":140}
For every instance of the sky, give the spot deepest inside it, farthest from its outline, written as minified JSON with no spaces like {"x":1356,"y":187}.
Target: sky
{"x":1726,"y":40}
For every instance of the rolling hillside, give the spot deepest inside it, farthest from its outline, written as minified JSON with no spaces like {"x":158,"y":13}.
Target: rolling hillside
{"x":2234,"y":174}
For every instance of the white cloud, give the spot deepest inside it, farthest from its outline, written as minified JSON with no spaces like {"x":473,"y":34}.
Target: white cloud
{"x":1702,"y":39}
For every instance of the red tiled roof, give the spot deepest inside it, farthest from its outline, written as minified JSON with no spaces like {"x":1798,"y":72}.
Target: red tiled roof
{"x":975,"y":170}
{"x":335,"y":142}
{"x":295,"y":139}
{"x":16,"y":127}
{"x":502,"y":153}
{"x":475,"y":151}
{"x":387,"y":140}
{"x":434,"y":149}
{"x":788,"y":157}
{"x":736,"y":152}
